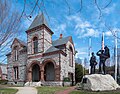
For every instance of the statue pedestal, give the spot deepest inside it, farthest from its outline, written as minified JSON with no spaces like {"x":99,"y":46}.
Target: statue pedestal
{"x":99,"y":82}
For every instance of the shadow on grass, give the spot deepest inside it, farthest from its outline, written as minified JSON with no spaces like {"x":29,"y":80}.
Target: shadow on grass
{"x":49,"y":90}
{"x":8,"y":91}
{"x":97,"y":92}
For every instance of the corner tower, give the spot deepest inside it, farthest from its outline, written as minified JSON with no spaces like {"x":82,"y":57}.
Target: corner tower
{"x":38,"y":36}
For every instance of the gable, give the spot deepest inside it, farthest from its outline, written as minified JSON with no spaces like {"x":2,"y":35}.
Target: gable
{"x":17,"y":41}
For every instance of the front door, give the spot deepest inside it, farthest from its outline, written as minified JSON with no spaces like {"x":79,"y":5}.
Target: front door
{"x":36,"y":73}
{"x":49,"y":73}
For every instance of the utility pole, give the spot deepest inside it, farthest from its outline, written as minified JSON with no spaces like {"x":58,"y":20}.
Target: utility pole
{"x":90,"y":49}
{"x":115,"y":56}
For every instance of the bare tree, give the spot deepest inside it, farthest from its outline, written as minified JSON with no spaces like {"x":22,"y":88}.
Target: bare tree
{"x":9,"y":25}
{"x":10,"y":20}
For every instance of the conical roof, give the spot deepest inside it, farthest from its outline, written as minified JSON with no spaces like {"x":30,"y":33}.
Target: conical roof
{"x":39,"y":20}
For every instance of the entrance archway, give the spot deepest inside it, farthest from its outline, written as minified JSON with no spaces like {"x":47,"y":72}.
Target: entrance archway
{"x":35,"y":73}
{"x":49,"y":73}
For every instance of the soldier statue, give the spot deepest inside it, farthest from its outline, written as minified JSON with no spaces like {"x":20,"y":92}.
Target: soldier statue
{"x":103,"y":55}
{"x":93,"y":63}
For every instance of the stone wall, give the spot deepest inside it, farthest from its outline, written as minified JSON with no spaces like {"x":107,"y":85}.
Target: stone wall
{"x":47,"y":40}
{"x":30,"y":36}
{"x":44,"y":40}
{"x":20,"y":63}
{"x":65,"y":67}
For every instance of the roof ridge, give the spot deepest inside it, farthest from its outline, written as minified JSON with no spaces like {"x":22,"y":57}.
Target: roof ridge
{"x":51,"y":49}
{"x":61,"y":38}
{"x":61,"y":41}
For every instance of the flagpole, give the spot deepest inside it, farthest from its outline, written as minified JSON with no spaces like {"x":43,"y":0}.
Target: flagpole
{"x":116,"y":56}
{"x":90,"y":49}
{"x":102,"y":46}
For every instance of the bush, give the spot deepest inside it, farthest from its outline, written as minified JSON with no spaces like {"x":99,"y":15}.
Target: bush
{"x":66,"y":79}
{"x":3,"y":82}
{"x":78,"y":72}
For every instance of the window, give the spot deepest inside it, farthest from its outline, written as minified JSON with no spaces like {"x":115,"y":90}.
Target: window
{"x":16,"y":72}
{"x":70,"y":56}
{"x":35,"y":44}
{"x":16,"y":53}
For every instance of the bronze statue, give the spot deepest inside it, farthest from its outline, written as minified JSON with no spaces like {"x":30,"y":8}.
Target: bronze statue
{"x":103,"y":55}
{"x":93,"y":63}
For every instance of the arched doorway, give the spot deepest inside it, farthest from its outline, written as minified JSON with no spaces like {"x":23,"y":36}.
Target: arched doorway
{"x":35,"y":73}
{"x":49,"y":73}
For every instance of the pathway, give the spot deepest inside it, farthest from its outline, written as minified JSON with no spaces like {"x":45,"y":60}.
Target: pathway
{"x":26,"y":90}
{"x":67,"y":91}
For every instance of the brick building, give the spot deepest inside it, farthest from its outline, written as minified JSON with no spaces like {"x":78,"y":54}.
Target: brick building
{"x":41,"y":59}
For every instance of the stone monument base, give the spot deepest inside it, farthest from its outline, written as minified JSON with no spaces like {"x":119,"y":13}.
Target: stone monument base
{"x":99,"y":82}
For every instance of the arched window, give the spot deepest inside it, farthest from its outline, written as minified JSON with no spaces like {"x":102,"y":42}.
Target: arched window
{"x":15,"y":72}
{"x":70,"y":56}
{"x":16,"y":53}
{"x":35,"y":44}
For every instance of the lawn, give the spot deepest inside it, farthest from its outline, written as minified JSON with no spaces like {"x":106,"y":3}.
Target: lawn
{"x":8,"y":91}
{"x":90,"y":92}
{"x":49,"y":90}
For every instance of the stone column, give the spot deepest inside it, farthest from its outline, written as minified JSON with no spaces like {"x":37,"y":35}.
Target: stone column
{"x":42,"y":75}
{"x":41,"y":72}
{"x":29,"y":75}
{"x":57,"y":74}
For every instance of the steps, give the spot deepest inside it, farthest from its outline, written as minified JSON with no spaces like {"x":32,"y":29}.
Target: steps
{"x":43,"y":83}
{"x":32,"y":84}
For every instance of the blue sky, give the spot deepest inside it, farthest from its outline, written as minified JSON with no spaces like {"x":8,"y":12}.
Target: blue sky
{"x":66,"y":18}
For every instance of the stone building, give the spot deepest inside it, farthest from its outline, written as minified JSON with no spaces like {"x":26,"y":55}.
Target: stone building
{"x":3,"y":71}
{"x":41,"y":59}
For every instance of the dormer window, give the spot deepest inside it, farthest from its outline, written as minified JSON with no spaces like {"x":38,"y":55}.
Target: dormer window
{"x":16,"y":53}
{"x":35,"y":45}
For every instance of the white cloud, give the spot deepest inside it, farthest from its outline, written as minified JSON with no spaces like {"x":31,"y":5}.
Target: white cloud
{"x":58,"y":29}
{"x":91,"y":32}
{"x":83,"y":25}
{"x":82,"y":52}
{"x":83,"y":28}
{"x":108,"y":33}
{"x":108,"y":10}
{"x":75,"y":18}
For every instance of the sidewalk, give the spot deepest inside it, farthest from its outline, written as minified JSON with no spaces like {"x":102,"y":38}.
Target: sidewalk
{"x":26,"y":90}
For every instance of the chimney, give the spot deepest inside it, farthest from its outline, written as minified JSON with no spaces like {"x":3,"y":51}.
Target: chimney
{"x":60,"y":36}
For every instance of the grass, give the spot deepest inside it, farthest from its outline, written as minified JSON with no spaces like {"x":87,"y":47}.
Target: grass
{"x":8,"y":91}
{"x":49,"y":90}
{"x":90,"y":92}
